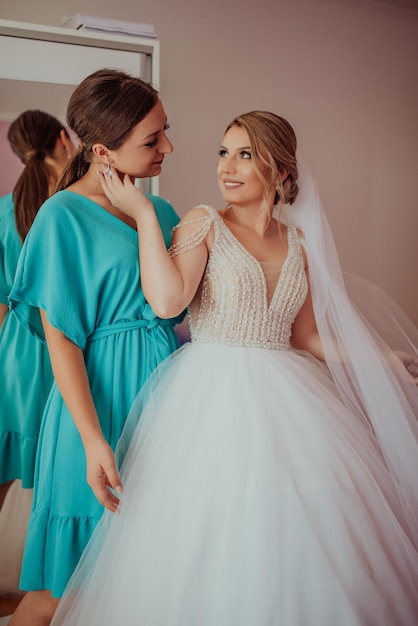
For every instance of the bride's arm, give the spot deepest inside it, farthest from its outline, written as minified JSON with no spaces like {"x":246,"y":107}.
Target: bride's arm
{"x":168,"y":282}
{"x":305,"y":335}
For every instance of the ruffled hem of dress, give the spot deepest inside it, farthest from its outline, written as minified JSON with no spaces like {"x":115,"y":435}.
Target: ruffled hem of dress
{"x":54,"y":546}
{"x":17,"y":453}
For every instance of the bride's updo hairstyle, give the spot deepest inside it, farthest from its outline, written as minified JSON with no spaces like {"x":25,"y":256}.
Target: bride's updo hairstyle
{"x":104,"y":108}
{"x":273,"y":144}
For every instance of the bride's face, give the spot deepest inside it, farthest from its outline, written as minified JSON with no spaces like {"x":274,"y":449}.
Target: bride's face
{"x":238,"y":178}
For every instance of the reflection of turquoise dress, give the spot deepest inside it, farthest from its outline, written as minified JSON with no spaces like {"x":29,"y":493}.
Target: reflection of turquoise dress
{"x":25,"y":370}
{"x":80,"y":264}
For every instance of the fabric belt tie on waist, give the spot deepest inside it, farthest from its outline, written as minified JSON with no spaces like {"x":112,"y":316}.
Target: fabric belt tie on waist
{"x":123,"y":327}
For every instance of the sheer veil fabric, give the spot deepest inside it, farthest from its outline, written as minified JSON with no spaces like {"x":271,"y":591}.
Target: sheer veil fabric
{"x":370,"y":378}
{"x":375,"y":387}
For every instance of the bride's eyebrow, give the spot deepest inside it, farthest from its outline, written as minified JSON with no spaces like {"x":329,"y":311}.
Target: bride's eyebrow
{"x":236,"y":149}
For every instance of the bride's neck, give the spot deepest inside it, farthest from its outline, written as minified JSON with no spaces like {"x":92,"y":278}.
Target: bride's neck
{"x":253,"y":218}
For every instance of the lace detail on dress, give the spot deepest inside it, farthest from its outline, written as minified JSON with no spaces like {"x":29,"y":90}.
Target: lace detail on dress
{"x":194,"y":239}
{"x":232,"y":306}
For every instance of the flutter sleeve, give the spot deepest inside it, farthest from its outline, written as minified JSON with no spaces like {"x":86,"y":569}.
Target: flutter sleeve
{"x":55,"y":273}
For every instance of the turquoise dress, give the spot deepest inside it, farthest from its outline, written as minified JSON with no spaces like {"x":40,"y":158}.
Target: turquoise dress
{"x":25,"y":369}
{"x":80,"y":264}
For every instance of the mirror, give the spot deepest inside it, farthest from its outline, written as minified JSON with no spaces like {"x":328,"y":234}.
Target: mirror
{"x":17,"y":95}
{"x":49,"y":62}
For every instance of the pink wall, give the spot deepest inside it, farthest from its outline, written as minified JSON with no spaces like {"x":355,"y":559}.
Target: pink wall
{"x":343,"y":72}
{"x":10,"y":165}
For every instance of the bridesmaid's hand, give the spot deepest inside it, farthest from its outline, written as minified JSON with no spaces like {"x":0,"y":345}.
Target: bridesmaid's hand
{"x":102,"y":475}
{"x":123,"y":194}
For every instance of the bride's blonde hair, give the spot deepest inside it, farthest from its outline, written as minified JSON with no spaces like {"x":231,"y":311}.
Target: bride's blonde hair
{"x":273,"y":144}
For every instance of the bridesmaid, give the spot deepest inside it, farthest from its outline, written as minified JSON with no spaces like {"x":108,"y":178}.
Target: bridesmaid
{"x":78,"y":287}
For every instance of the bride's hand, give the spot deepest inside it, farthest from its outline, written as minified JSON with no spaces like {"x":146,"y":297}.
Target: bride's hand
{"x":410,"y":361}
{"x":123,"y":194}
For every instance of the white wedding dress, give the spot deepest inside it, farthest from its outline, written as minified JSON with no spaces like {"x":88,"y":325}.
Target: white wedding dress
{"x":253,"y":496}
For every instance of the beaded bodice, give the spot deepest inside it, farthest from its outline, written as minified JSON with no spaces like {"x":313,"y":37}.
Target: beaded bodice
{"x":232,"y":306}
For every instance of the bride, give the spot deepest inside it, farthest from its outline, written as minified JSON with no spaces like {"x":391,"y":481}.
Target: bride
{"x":270,"y":477}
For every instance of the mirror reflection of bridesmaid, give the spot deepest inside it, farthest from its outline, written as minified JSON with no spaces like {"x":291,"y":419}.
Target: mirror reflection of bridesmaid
{"x":42,"y":144}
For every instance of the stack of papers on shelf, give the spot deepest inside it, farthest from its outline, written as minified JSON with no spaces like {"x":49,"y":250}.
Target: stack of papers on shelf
{"x":102,"y":24}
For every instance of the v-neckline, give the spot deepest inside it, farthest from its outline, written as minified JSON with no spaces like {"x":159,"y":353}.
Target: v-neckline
{"x":101,"y":209}
{"x":257,"y":263}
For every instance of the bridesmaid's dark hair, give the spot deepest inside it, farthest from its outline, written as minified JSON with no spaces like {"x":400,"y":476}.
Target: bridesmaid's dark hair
{"x":32,"y":137}
{"x":104,"y":108}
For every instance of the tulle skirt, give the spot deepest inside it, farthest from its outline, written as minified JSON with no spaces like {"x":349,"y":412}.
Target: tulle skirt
{"x":252,"y":497}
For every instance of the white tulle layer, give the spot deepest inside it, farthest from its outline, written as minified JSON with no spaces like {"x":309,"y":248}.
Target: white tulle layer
{"x":252,"y":497}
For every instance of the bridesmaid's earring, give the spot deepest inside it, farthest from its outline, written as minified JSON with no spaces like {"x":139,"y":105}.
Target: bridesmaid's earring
{"x":108,"y":171}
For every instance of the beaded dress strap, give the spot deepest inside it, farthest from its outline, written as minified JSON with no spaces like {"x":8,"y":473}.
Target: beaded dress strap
{"x":196,"y":237}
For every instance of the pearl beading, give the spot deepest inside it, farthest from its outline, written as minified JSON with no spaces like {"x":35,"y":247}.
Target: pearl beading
{"x":231,"y":306}
{"x":192,"y":240}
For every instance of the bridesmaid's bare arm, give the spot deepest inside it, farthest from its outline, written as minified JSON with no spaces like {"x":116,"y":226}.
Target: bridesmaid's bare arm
{"x":70,"y":374}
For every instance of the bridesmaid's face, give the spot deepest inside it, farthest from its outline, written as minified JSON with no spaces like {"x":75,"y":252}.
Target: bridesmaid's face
{"x":142,"y":153}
